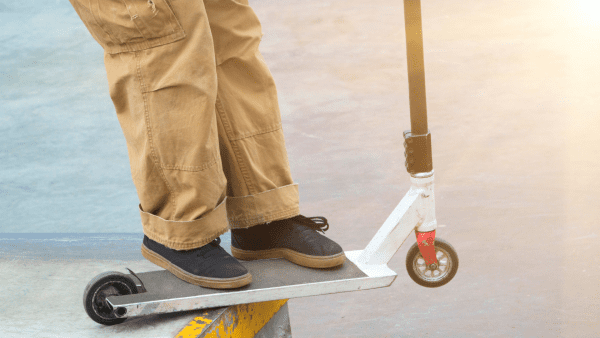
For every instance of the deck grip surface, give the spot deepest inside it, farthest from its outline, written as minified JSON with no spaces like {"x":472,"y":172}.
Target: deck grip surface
{"x":268,"y":273}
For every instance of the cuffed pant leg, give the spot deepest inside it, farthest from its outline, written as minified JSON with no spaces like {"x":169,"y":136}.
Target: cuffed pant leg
{"x":165,"y":101}
{"x":260,"y":186}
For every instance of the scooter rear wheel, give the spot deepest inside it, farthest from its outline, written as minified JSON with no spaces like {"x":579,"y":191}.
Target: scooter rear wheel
{"x":104,"y":285}
{"x":434,"y":275}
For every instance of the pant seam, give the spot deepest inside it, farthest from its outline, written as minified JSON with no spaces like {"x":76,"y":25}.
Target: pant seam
{"x":256,"y":133}
{"x":189,"y":168}
{"x":234,"y":147}
{"x":155,"y":160}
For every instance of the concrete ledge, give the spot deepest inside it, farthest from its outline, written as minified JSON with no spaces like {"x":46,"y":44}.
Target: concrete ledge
{"x":66,"y":246}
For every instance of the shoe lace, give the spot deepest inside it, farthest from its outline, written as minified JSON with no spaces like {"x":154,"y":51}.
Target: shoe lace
{"x":206,"y":252}
{"x":317,"y":223}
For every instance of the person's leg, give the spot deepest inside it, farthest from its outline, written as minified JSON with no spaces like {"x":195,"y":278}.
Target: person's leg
{"x":160,"y":63}
{"x":260,"y":186}
{"x":262,"y":203}
{"x":165,"y":96}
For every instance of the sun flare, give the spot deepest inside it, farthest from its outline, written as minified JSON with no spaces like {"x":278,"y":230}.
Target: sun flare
{"x":585,"y":12}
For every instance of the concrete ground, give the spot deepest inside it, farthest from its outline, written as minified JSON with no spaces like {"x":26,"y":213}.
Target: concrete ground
{"x":44,"y":278}
{"x":512,"y":92}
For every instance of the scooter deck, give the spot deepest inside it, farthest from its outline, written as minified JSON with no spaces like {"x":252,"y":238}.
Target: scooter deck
{"x":272,"y":279}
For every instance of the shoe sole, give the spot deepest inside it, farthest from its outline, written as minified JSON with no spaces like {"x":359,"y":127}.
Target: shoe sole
{"x":292,"y":256}
{"x":207,"y":282}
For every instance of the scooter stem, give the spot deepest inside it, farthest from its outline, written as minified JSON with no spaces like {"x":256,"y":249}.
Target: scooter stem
{"x":416,"y":211}
{"x":416,"y":68}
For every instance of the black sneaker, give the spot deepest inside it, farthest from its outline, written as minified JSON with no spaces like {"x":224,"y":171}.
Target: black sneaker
{"x":295,"y":239}
{"x":208,"y":266}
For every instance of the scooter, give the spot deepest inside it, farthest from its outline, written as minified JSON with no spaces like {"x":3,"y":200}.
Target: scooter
{"x":112,"y":297}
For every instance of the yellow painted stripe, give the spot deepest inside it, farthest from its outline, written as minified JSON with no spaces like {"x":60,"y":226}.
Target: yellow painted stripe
{"x":238,"y":321}
{"x":194,"y":328}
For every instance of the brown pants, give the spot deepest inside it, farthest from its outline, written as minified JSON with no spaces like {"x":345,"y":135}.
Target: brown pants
{"x":198,"y":107}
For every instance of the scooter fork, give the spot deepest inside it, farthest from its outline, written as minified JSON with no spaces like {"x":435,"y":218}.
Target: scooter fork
{"x":416,"y":211}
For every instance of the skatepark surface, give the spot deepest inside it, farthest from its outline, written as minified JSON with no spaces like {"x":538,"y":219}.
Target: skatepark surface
{"x":512,"y":93}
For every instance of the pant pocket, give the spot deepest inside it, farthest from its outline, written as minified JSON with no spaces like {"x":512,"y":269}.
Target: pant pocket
{"x":129,"y":25}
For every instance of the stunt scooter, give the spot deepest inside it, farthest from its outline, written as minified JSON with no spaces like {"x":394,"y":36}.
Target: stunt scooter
{"x":111,"y":297}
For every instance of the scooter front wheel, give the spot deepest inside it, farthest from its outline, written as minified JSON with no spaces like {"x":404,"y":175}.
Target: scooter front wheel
{"x":104,"y":285}
{"x":433,"y":275}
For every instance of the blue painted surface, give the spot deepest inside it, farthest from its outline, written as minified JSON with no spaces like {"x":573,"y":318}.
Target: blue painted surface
{"x":63,"y":157}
